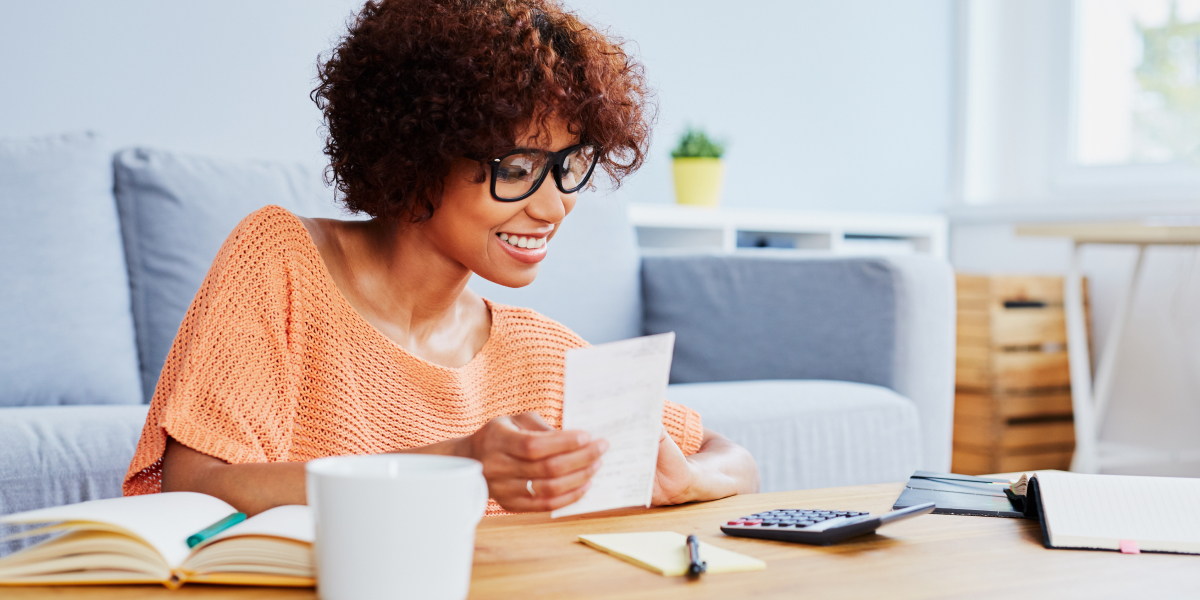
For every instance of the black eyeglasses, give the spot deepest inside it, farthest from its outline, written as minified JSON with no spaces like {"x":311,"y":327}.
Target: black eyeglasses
{"x":518,"y":174}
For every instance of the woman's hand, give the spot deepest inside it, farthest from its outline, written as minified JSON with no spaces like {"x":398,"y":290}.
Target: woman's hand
{"x":721,"y":468}
{"x":675,"y":475}
{"x":522,"y":448}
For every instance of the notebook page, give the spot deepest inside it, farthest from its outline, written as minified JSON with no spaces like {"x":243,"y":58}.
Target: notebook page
{"x":1098,"y":511}
{"x":292,"y":521}
{"x":162,"y":520}
{"x":615,"y":391}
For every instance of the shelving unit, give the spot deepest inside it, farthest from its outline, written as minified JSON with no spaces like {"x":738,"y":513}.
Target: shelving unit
{"x":668,"y":228}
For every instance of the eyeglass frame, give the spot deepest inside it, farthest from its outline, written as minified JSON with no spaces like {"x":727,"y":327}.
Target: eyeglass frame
{"x":554,"y":162}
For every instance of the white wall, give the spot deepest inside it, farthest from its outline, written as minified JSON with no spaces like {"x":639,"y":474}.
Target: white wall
{"x":832,"y":105}
{"x":837,"y":105}
{"x":218,"y":77}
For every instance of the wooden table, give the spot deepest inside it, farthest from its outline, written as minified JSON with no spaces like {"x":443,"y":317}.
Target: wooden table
{"x":932,"y":556}
{"x":1090,"y":398}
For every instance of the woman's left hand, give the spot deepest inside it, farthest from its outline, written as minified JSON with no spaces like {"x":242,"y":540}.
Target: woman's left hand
{"x":721,"y":468}
{"x":675,"y":475}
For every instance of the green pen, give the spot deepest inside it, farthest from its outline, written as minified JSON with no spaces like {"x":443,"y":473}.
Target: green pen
{"x":197,"y":538}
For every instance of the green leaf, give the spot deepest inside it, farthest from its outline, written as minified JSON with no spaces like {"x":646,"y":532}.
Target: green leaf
{"x":695,"y":144}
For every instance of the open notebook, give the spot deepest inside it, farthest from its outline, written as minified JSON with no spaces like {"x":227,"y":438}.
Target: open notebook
{"x":143,"y":539}
{"x":1115,"y":512}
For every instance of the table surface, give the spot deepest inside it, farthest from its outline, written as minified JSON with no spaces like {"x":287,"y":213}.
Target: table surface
{"x":932,"y":556}
{"x":1115,"y":232}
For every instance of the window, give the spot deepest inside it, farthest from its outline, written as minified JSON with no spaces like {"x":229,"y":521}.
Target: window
{"x":1137,"y":82}
{"x":1079,"y":102}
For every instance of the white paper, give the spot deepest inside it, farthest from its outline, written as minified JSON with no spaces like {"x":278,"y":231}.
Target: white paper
{"x":291,"y":521}
{"x":615,"y":392}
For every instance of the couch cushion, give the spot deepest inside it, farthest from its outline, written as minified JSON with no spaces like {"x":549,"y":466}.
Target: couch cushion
{"x":66,"y":332}
{"x":741,"y":318}
{"x":57,"y":455}
{"x":176,"y":210}
{"x":589,"y":279}
{"x":812,"y":434}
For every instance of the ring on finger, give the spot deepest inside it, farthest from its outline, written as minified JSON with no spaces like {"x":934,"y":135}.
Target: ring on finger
{"x":529,"y":488}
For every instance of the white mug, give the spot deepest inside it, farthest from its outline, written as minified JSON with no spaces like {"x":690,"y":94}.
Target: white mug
{"x":395,"y":525}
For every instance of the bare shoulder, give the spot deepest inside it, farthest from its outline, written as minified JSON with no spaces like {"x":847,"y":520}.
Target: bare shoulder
{"x":329,"y":236}
{"x":316,"y":230}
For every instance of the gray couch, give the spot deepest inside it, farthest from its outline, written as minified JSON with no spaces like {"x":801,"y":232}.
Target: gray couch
{"x":831,"y":371}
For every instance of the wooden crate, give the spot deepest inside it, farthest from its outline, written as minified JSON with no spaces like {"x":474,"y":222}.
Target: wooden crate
{"x":1013,"y":402}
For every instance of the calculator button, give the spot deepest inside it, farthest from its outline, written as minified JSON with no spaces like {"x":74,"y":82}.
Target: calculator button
{"x":753,"y":522}
{"x":735,"y":522}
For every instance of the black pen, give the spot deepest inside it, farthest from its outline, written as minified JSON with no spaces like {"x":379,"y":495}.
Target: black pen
{"x":695,"y":565}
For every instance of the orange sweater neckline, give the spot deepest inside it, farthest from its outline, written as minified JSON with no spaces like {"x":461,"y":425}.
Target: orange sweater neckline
{"x":331,"y":288}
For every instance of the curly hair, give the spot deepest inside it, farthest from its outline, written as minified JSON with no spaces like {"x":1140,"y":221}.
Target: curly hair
{"x":417,"y":84}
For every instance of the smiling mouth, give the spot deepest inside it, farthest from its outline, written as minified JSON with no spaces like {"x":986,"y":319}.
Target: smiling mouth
{"x":522,"y":241}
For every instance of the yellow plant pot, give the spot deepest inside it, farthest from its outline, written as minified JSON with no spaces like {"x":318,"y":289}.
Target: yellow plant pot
{"x":698,"y":181}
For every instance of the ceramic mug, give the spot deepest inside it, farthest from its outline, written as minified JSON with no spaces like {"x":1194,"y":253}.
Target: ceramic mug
{"x":395,"y":525}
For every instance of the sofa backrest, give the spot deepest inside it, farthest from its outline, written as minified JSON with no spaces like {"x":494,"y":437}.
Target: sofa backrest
{"x":589,"y":280}
{"x":740,"y":318}
{"x":176,"y":210}
{"x":66,"y":332}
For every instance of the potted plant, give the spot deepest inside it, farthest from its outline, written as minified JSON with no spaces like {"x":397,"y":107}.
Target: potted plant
{"x":698,"y":170}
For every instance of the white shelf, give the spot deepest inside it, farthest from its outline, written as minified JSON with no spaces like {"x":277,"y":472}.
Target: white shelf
{"x":673,"y":228}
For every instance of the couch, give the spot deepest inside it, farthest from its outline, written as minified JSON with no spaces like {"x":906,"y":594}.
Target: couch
{"x":831,"y":371}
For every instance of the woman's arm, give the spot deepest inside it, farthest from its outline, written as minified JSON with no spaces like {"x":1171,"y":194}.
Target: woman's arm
{"x":721,"y":468}
{"x":514,"y":450}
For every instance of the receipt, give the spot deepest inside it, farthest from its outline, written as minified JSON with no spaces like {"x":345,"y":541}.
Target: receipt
{"x":615,"y":391}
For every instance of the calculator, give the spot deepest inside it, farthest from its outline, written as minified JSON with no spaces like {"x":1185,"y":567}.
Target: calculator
{"x":821,"y":527}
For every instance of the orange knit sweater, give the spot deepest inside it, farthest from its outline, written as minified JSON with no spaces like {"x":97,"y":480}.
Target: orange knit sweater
{"x":272,"y":364}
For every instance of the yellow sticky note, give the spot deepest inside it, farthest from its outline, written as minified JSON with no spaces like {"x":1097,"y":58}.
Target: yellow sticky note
{"x":665,"y":552}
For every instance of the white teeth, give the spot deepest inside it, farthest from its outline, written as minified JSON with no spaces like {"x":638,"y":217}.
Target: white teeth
{"x":521,"y":241}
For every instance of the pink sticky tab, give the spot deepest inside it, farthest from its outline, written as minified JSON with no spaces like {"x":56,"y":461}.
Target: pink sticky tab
{"x":1129,"y":547}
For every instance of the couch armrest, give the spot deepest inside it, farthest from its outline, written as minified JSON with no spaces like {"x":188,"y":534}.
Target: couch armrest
{"x":926,"y":322}
{"x":883,"y":321}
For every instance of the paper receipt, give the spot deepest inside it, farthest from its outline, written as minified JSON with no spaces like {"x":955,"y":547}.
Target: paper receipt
{"x":615,"y":391}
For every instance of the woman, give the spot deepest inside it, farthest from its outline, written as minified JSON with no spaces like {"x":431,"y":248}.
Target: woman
{"x":466,"y":130}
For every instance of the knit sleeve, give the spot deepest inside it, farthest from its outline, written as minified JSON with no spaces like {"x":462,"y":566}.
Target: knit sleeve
{"x":229,"y":385}
{"x":683,"y":424}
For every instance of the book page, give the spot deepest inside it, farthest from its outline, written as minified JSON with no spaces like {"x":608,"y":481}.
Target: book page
{"x":615,"y":392}
{"x":273,"y":547}
{"x":162,"y":520}
{"x":293,"y":522}
{"x":1098,"y":511}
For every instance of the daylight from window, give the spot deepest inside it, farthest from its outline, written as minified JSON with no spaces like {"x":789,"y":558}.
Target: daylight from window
{"x":1137,"y":95}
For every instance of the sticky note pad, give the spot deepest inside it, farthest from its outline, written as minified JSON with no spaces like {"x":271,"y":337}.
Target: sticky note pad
{"x":665,"y":552}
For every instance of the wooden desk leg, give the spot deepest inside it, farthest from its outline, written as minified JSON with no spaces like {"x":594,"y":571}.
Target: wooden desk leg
{"x":1108,"y":357}
{"x":1085,"y":459}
